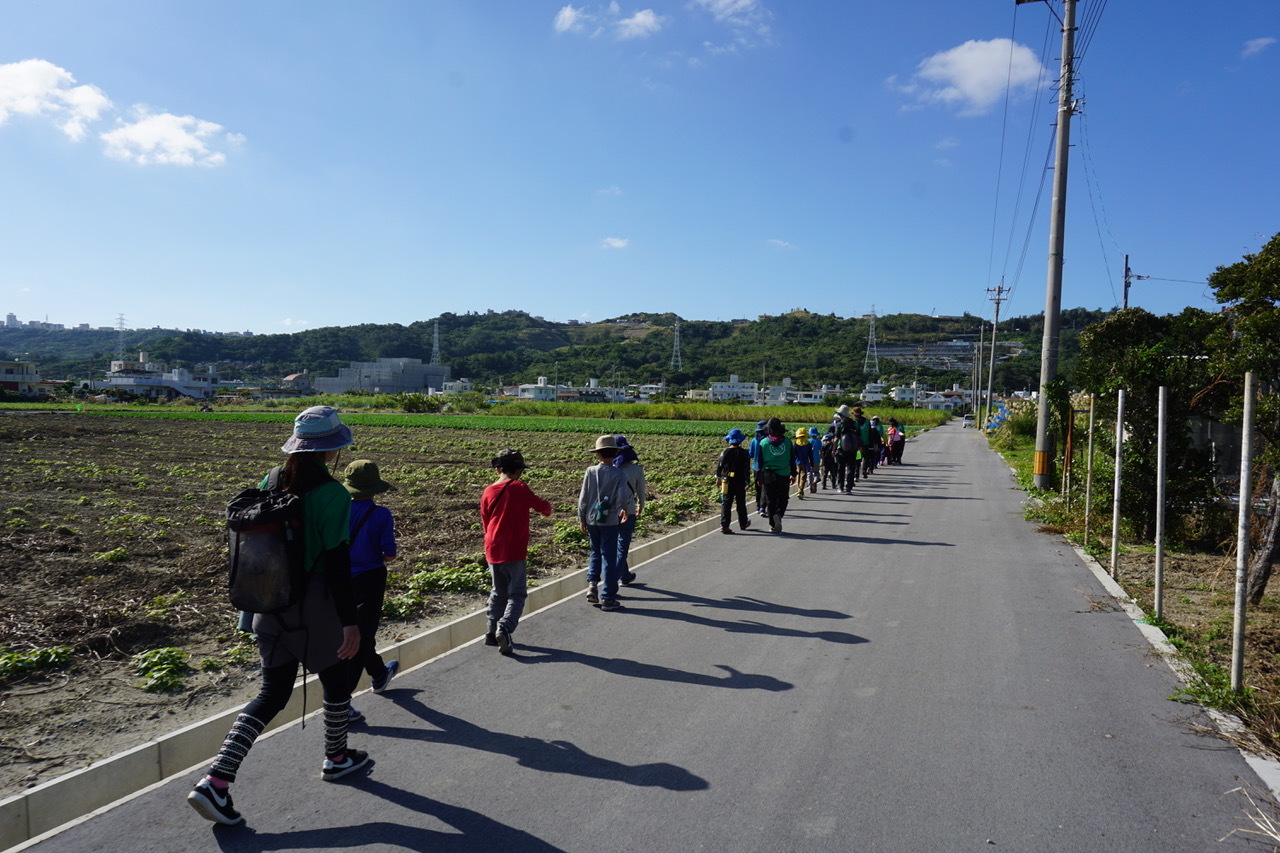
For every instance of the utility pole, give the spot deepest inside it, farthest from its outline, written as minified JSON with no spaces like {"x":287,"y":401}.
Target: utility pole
{"x":1044,"y":473}
{"x":1128,"y":277}
{"x":999,"y":297}
{"x":976,"y":385}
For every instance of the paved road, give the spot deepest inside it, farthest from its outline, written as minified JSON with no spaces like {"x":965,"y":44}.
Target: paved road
{"x":912,"y":668}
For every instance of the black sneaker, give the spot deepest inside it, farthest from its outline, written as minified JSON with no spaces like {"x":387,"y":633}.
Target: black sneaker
{"x":213,"y":804}
{"x":593,"y":594}
{"x":491,"y":639}
{"x":722,"y":530}
{"x":354,"y":760}
{"x":610,"y":604}
{"x":504,"y":642}
{"x":743,"y":525}
{"x":628,"y":578}
{"x":392,"y":668}
{"x":354,"y":717}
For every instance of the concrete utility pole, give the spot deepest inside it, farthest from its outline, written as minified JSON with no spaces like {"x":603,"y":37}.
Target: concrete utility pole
{"x":995,"y":324}
{"x":1044,"y":468}
{"x":1128,"y":278}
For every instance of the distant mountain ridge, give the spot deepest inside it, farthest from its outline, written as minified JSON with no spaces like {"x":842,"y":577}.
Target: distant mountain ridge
{"x":514,"y":346}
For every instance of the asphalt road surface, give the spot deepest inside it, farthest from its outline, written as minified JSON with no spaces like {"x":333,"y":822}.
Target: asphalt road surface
{"x":911,"y":668}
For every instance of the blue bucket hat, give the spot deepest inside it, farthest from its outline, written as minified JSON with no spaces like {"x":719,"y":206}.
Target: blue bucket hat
{"x":735,"y":436}
{"x":318,"y":429}
{"x":813,"y":431}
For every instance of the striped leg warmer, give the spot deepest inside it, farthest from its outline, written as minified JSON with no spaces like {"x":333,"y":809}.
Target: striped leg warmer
{"x":244,"y":731}
{"x":335,"y":727}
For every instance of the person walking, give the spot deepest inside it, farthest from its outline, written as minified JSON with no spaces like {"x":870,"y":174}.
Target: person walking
{"x":318,"y":632}
{"x":777,"y":471}
{"x":753,"y":450}
{"x":601,"y":508}
{"x":848,"y":448}
{"x":828,"y":454}
{"x":815,"y":455}
{"x":873,"y":444}
{"x":733,"y":470}
{"x":803,"y":461}
{"x":373,"y":545}
{"x":504,"y":515}
{"x":897,"y":441}
{"x":628,"y":462}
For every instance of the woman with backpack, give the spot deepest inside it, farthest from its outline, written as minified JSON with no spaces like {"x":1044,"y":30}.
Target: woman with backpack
{"x":777,"y":470}
{"x":317,"y":631}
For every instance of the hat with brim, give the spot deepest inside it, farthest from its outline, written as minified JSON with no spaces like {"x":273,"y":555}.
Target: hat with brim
{"x":843,"y":411}
{"x":362,"y":479}
{"x":605,"y":442}
{"x":735,"y":436}
{"x":316,"y":430}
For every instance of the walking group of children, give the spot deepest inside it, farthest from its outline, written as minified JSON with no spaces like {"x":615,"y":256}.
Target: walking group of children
{"x":851,"y":448}
{"x":349,"y":539}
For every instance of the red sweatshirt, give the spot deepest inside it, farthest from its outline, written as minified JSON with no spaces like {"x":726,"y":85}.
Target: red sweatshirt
{"x":504,"y":513}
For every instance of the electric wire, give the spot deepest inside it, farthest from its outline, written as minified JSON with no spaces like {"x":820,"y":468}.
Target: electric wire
{"x":1091,"y":181}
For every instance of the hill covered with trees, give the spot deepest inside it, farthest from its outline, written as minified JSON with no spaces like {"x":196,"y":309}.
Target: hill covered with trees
{"x":512,"y":346}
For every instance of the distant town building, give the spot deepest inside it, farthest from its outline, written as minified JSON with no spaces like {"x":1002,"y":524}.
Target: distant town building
{"x":144,"y":378}
{"x":20,"y":377}
{"x":386,"y":376}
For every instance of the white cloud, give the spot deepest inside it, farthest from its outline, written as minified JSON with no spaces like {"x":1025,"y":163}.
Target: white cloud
{"x":569,"y":20}
{"x":34,"y":87}
{"x":168,"y":139}
{"x":615,"y":191}
{"x":946,"y":142}
{"x":780,"y":245}
{"x":748,"y":20}
{"x":1255,"y":46}
{"x":289,"y":321}
{"x":614,"y":243}
{"x":640,"y":25}
{"x":974,"y":76}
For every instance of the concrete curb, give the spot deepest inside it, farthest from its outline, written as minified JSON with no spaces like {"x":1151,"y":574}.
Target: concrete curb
{"x":47,"y":808}
{"x":1229,"y":724}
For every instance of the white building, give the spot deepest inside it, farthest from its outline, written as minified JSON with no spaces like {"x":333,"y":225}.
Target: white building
{"x":20,"y":377}
{"x":144,"y":378}
{"x":733,"y":390}
{"x":386,"y":376}
{"x":874,"y":392}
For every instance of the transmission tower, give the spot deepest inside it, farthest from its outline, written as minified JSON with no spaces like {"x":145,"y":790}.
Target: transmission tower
{"x":676,"y":362}
{"x":872,"y":358}
{"x":435,"y":345}
{"x":121,"y":328}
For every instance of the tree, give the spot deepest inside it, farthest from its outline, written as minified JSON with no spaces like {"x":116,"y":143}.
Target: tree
{"x":1250,"y":290}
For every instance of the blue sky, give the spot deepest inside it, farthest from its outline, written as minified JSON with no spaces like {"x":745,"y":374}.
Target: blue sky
{"x":287,"y":165}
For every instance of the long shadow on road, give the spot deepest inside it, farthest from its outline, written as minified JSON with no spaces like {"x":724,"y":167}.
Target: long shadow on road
{"x":548,"y":756}
{"x":474,"y":831}
{"x":735,"y":680}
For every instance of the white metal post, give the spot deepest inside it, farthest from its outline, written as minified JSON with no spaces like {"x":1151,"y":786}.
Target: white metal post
{"x":1242,"y":536}
{"x":1115,"y":497}
{"x":1088,"y":479}
{"x":1162,"y":414}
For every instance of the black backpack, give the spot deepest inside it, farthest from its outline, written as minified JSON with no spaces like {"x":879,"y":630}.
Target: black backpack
{"x":266,"y":567}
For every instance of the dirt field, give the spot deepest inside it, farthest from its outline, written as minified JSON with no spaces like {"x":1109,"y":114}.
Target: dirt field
{"x":112,"y":544}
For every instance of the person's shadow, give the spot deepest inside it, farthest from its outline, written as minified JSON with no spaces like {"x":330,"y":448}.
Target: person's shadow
{"x":473,"y":830}
{"x":635,"y":669}
{"x":548,"y":756}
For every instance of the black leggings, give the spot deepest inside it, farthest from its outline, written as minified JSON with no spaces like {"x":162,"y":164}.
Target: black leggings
{"x":277,"y":687}
{"x":370,"y":589}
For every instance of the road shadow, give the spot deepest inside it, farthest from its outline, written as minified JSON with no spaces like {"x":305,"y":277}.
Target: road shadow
{"x":547,"y":756}
{"x":748,"y":627}
{"x":866,"y":540}
{"x":735,"y":680}
{"x":744,"y":603}
{"x":473,"y":831}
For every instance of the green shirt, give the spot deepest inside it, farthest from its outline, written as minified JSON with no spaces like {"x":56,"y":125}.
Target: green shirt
{"x":326,"y":519}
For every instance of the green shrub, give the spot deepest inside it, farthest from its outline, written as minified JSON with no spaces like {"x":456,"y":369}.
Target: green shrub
{"x":164,"y":668}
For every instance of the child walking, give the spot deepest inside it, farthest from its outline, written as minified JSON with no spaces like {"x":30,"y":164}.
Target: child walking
{"x":504,"y":514}
{"x":373,"y":545}
{"x":733,"y":470}
{"x":601,"y":508}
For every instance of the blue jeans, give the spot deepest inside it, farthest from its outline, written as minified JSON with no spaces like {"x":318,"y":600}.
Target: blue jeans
{"x":510,"y":590}
{"x":625,"y":531}
{"x":604,"y":557}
